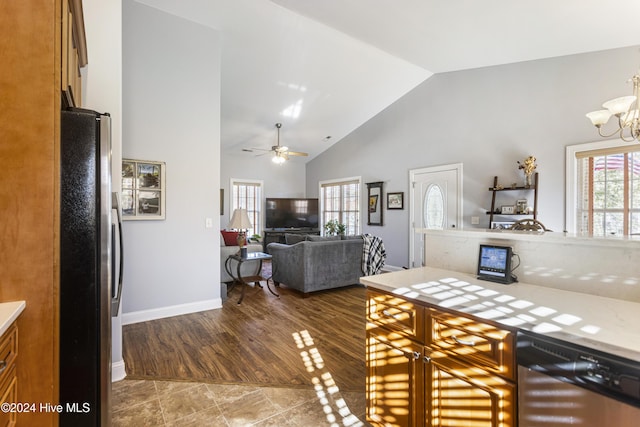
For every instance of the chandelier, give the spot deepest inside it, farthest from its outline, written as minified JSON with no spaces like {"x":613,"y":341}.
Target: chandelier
{"x":625,"y":109}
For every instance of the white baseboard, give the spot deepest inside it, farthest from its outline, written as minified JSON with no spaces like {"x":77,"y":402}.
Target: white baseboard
{"x":174,"y":310}
{"x":391,"y":268}
{"x":118,"y":371}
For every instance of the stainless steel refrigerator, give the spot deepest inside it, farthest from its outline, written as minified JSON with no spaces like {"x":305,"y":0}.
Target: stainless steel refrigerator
{"x":90,"y":261}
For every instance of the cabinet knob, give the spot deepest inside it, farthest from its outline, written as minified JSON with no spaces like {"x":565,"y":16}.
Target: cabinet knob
{"x":415,"y":355}
{"x":3,"y":365}
{"x":426,"y":359}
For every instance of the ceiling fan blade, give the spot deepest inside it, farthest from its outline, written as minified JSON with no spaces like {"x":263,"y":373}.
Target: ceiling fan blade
{"x":296,"y":153}
{"x":257,"y":149}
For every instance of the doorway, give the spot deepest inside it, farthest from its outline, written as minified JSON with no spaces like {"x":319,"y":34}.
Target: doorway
{"x":435,"y":203}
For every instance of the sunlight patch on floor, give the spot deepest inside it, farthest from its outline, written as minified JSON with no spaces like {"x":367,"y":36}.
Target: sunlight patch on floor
{"x":323,"y":383}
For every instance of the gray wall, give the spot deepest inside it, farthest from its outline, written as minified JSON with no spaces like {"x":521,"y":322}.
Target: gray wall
{"x":171,"y":97}
{"x":487,"y":119}
{"x":285,"y":180}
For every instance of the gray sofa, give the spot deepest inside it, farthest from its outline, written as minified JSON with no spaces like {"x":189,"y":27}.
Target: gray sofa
{"x":310,"y":266}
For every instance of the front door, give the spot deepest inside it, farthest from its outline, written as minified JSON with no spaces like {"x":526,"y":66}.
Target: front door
{"x":436,"y":203}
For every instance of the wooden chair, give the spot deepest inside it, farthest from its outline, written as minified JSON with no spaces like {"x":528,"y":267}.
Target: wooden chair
{"x":529,"y":224}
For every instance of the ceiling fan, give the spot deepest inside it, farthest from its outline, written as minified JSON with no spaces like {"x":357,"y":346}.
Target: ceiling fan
{"x":281,"y":153}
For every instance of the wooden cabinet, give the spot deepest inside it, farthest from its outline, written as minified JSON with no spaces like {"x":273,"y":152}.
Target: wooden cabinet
{"x":74,"y":52}
{"x":8,"y":376}
{"x":480,"y":343}
{"x":471,"y":371}
{"x":465,"y":394}
{"x":432,"y":367}
{"x":497,"y":203}
{"x":31,"y":34}
{"x":395,"y":387}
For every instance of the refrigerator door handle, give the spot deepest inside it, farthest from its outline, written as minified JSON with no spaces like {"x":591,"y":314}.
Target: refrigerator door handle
{"x":117,"y":291}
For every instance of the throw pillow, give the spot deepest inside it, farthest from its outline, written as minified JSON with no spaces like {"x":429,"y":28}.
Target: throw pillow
{"x":230,"y":237}
{"x":292,"y":239}
{"x":322,"y":238}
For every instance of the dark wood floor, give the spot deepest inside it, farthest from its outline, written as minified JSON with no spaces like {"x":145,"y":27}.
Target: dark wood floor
{"x":288,"y":341}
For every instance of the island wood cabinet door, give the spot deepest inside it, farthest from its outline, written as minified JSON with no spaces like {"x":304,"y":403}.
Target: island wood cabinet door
{"x":395,"y":385}
{"x":460,"y":394}
{"x":433,"y":367}
{"x":8,"y":377}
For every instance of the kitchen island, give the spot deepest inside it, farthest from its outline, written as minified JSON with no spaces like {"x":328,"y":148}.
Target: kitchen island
{"x":439,"y":333}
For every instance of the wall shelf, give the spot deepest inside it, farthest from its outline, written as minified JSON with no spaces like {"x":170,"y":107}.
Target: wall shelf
{"x":496,"y":189}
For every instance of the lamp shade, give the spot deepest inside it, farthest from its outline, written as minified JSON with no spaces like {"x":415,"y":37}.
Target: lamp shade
{"x":619,"y":105}
{"x":600,"y":117}
{"x":240,"y":220}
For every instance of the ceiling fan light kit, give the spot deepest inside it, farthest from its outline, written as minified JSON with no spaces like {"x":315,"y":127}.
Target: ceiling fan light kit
{"x":626,"y":109}
{"x":281,"y":153}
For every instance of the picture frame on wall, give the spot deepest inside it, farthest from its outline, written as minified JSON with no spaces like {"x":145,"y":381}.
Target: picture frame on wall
{"x":373,"y":204}
{"x":395,"y":200}
{"x":376,"y":199}
{"x":143,"y":190}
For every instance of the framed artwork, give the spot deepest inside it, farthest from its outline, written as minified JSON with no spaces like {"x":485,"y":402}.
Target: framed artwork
{"x":521,"y":206}
{"x":373,"y":203}
{"x":508,"y":210}
{"x":395,"y":200}
{"x":143,"y":189}
{"x":375,"y":198}
{"x":502,"y":225}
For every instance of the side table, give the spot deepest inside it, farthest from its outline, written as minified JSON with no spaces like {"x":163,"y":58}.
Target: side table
{"x":244,"y":281}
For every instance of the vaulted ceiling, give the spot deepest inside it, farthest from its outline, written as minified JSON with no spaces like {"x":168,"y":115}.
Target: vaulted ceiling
{"x":322,"y":68}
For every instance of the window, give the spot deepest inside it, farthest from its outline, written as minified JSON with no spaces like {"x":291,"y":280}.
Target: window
{"x":340,"y":200}
{"x":608,"y":190}
{"x":247,"y":194}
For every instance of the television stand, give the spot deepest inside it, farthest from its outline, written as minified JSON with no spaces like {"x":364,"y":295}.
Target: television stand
{"x":276,"y":235}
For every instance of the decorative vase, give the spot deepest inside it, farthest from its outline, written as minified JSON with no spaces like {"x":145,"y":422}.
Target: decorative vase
{"x":528,"y":180}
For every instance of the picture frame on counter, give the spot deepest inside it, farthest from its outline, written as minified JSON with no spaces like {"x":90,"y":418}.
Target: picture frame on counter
{"x":502,"y":225}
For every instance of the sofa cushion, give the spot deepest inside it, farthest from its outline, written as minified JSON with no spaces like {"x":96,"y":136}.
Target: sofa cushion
{"x":292,"y":238}
{"x":230,"y":238}
{"x":322,"y":238}
{"x":343,"y":237}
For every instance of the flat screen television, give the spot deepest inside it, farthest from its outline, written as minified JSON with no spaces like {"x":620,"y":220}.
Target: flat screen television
{"x":284,"y":213}
{"x":494,"y":264}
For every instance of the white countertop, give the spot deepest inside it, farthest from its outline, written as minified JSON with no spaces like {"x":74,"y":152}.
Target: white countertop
{"x":9,"y":312}
{"x":606,"y":324}
{"x":632,"y":242}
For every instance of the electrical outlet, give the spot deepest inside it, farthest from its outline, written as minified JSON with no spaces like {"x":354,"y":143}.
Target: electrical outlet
{"x":475,"y":220}
{"x":208,"y":222}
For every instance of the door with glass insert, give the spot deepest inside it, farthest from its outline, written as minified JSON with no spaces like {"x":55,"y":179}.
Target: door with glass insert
{"x":436,"y":204}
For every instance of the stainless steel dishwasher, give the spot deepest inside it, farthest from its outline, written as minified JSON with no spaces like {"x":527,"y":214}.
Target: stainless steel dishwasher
{"x":561,"y":383}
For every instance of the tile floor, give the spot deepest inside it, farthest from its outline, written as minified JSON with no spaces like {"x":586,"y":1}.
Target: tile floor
{"x":170,"y":403}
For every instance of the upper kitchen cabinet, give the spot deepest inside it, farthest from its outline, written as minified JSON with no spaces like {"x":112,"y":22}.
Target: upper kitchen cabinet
{"x":74,"y":52}
{"x":30,"y":78}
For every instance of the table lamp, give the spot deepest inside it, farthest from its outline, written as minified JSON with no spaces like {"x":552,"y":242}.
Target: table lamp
{"x":240,"y":221}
